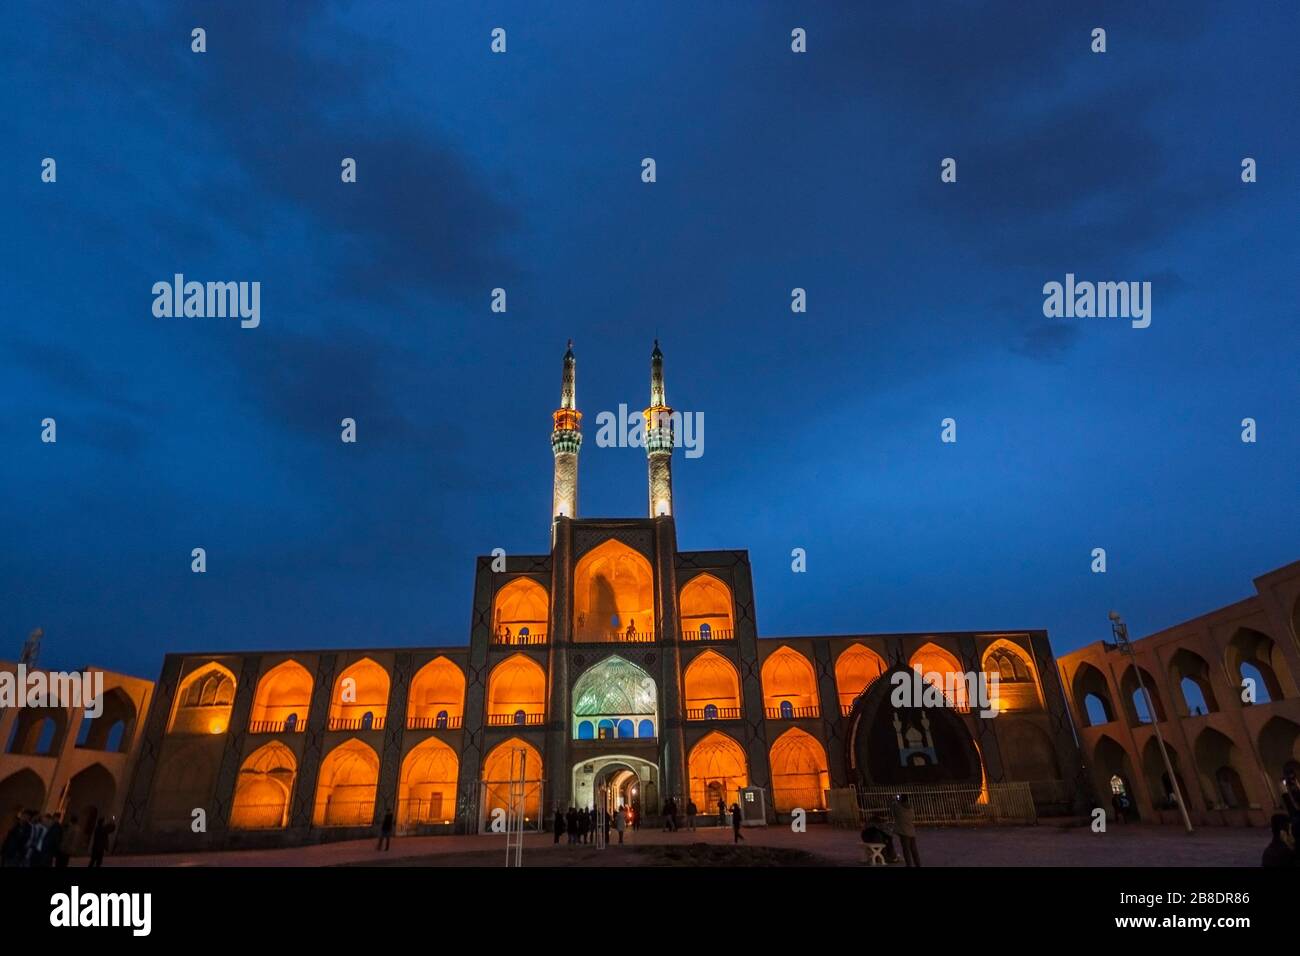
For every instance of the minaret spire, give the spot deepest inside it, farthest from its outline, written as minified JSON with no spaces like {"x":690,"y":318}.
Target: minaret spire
{"x":566,"y":439}
{"x":659,"y":439}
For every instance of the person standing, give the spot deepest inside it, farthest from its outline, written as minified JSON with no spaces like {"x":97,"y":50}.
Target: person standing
{"x":1281,"y":850}
{"x":735,"y":824}
{"x":572,"y":820}
{"x":68,"y":845}
{"x":99,"y":842}
{"x":14,"y":849}
{"x":386,"y":832}
{"x":620,"y":821}
{"x":691,"y":811}
{"x":722,"y":813}
{"x":558,"y":825}
{"x":40,"y":826}
{"x":53,"y":844}
{"x":905,"y":827}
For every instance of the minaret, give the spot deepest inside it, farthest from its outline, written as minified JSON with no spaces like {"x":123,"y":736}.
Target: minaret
{"x":659,"y":439}
{"x":566,"y":439}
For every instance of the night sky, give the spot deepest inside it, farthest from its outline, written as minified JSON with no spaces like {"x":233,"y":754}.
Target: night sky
{"x":523,"y":171}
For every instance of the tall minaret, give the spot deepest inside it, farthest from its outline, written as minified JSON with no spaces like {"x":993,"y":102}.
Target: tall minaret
{"x":659,"y":439}
{"x":566,"y":439}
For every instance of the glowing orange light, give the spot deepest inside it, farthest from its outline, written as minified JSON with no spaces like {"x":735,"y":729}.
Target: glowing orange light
{"x":217,"y":726}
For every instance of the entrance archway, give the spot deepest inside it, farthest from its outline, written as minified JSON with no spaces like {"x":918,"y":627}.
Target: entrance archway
{"x":627,"y":779}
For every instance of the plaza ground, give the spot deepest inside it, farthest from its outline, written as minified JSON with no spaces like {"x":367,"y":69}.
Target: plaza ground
{"x":820,"y":845}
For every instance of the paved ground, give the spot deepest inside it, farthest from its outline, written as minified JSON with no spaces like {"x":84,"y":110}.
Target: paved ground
{"x":991,"y":846}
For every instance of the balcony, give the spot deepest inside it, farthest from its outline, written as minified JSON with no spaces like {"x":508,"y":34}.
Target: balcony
{"x":519,"y":640}
{"x":440,"y":722}
{"x":620,"y":637}
{"x":294,"y":726}
{"x":709,"y":634}
{"x":517,"y":719}
{"x":355,"y":723}
{"x":788,"y":712}
{"x":713,"y":713}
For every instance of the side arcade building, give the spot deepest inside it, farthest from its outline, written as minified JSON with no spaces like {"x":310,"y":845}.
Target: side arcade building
{"x":613,"y":664}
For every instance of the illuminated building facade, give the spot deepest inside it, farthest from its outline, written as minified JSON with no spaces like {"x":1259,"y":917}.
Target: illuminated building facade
{"x":1222,"y":687}
{"x":56,"y":759}
{"x":616,"y":664}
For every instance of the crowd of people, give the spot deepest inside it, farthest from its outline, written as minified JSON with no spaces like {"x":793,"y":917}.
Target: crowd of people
{"x":579,"y":824}
{"x":48,"y":839}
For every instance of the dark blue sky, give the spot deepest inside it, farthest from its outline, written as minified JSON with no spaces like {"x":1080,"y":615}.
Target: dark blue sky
{"x":522,"y":171}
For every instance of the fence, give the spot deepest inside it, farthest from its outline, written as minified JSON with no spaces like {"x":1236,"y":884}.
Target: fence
{"x":948,"y":803}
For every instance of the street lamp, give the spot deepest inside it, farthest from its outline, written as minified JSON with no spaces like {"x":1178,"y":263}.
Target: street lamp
{"x":1120,"y":630}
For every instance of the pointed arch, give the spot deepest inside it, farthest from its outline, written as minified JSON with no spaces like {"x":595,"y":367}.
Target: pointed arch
{"x":1018,"y":684}
{"x":282,"y":699}
{"x":520,"y":612}
{"x":497,"y":769}
{"x":613,"y":591}
{"x":1092,"y":703}
{"x":705,"y":604}
{"x":516,"y":689}
{"x":717,"y":770}
{"x":789,"y":685}
{"x":113,"y":729}
{"x":428,"y":784}
{"x":1279,"y":747}
{"x":437,"y":695}
{"x":264,"y":788}
{"x":21,"y":790}
{"x":711,"y":686}
{"x":346,"y":786}
{"x":204,"y":700}
{"x":360,"y":697}
{"x":1140,"y":708}
{"x":931,"y":660}
{"x":1112,"y":771}
{"x":855,"y":670}
{"x":38,"y":731}
{"x":1191,"y":675}
{"x":800,"y":777}
{"x":1218,"y":764}
{"x":1253,"y":655}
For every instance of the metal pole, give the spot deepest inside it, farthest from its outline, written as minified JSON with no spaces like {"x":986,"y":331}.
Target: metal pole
{"x":1120,"y":630}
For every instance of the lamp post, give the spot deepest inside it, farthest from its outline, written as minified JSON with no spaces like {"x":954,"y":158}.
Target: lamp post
{"x":1120,"y":630}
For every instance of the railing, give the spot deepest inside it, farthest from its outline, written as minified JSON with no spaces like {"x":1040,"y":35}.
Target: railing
{"x":955,"y":803}
{"x":717,"y":713}
{"x":519,"y":639}
{"x":790,"y":713}
{"x":347,"y":813}
{"x":717,"y":634}
{"x":434,"y":723}
{"x":620,"y":637}
{"x":845,"y":709}
{"x":259,"y":816}
{"x":516,"y":720}
{"x":415,"y":811}
{"x":276,"y":726}
{"x":355,"y":723}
